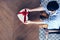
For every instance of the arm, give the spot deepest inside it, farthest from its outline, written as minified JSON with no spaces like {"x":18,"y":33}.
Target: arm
{"x":36,"y":9}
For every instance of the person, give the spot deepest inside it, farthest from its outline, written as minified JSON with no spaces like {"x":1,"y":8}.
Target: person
{"x":54,"y":14}
{"x":53,"y":21}
{"x":53,"y":10}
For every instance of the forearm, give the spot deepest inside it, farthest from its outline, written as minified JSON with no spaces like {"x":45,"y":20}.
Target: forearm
{"x":37,"y":9}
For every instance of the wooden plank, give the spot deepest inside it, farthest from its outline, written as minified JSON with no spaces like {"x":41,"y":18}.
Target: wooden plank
{"x":10,"y":26}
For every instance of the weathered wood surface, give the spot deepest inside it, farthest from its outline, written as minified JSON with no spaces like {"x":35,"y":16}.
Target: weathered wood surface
{"x":10,"y":26}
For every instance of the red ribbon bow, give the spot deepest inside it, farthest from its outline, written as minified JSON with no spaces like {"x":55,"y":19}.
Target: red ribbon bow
{"x":24,"y":13}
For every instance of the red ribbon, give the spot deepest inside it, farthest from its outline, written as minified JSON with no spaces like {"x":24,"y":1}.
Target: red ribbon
{"x":24,"y":13}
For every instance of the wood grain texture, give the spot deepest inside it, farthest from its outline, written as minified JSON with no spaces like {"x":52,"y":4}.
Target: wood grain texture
{"x":11,"y":28}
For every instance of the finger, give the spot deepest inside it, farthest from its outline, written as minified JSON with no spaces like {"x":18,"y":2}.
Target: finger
{"x":28,"y":10}
{"x":22,"y":10}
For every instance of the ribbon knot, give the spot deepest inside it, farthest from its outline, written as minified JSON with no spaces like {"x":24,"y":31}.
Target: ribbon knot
{"x":24,"y":13}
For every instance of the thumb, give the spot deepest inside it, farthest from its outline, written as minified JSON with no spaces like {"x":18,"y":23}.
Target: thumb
{"x":22,"y":10}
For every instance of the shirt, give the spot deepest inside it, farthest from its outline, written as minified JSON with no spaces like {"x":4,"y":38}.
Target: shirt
{"x":54,"y":20}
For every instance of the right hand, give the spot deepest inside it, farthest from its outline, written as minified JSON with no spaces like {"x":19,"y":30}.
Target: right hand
{"x":29,"y":10}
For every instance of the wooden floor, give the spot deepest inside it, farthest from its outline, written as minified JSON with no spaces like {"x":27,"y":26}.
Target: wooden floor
{"x":10,"y":26}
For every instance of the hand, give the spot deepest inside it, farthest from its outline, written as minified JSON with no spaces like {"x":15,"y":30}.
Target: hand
{"x":28,"y":10}
{"x":22,"y":10}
